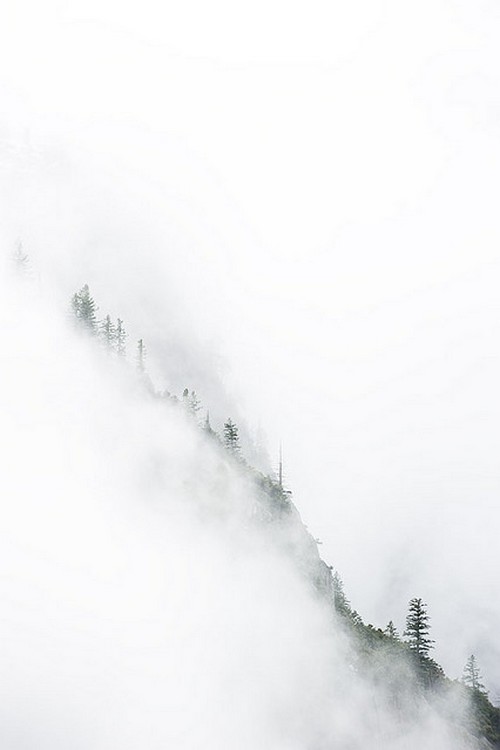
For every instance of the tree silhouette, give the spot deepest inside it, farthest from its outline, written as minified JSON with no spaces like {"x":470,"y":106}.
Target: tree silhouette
{"x":417,"y":628}
{"x":141,"y":356}
{"x":107,"y":332}
{"x":120,"y":337}
{"x":340,"y":601}
{"x":391,"y":631}
{"x":231,"y":437}
{"x":85,"y":309}
{"x":472,"y":676}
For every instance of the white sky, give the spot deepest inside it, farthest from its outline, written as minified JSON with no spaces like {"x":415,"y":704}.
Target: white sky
{"x":317,"y":188}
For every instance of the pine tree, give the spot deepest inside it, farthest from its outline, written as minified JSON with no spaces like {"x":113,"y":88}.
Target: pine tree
{"x":141,"y":356}
{"x":417,"y":628}
{"x":107,"y":332}
{"x":231,"y":437}
{"x":120,"y":337}
{"x":340,"y":601}
{"x":472,"y":676}
{"x":391,"y":631}
{"x":356,"y":618}
{"x":207,"y":427}
{"x":85,"y":309}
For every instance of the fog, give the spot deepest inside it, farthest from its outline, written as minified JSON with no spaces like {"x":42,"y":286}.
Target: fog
{"x":142,"y":604}
{"x":297,"y":210}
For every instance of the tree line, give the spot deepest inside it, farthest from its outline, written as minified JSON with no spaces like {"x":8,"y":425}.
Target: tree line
{"x":113,"y":336}
{"x":415,"y":641}
{"x":377,"y":647}
{"x":416,"y":637}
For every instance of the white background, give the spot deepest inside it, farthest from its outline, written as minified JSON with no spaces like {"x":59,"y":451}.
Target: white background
{"x":305,"y":196}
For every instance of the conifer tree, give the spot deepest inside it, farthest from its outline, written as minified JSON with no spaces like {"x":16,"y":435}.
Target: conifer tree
{"x":107,"y":332}
{"x":472,"y":676}
{"x":206,"y":425}
{"x":231,"y":437}
{"x":340,"y":601}
{"x":417,"y":628}
{"x":191,"y":402}
{"x":141,"y":356}
{"x":391,"y":631}
{"x":356,"y":618}
{"x":207,"y":428}
{"x":119,"y":339}
{"x":85,"y":309}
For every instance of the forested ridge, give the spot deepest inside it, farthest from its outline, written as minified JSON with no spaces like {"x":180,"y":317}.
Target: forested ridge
{"x":399,"y":665}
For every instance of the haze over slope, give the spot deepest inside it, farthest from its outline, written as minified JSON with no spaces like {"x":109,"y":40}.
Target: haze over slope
{"x":142,"y":604}
{"x":309,"y":194}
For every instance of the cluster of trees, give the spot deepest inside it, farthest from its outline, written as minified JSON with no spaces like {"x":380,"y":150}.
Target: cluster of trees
{"x":415,"y":645}
{"x":379,"y":648}
{"x":418,"y":640}
{"x":416,"y":637}
{"x":113,"y":337}
{"x":483,"y":719}
{"x":230,"y":437}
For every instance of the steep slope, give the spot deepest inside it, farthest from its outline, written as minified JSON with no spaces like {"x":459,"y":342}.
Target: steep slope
{"x":159,"y":592}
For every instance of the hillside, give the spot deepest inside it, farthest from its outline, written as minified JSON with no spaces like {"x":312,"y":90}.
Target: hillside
{"x":409,"y":680}
{"x":166,"y":593}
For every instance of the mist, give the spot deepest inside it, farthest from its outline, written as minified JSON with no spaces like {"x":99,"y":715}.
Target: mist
{"x":142,"y":602}
{"x":126,"y":620}
{"x":306,"y":233}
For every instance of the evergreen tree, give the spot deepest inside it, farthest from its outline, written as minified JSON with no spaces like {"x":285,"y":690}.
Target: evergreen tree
{"x":207,"y":427}
{"x":191,"y":402}
{"x":417,"y":628}
{"x":391,"y":631}
{"x":231,"y":437}
{"x":141,"y":356}
{"x":120,"y":337}
{"x":85,"y":309}
{"x":340,"y":601}
{"x":356,"y":618}
{"x":472,"y":676}
{"x":107,"y":332}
